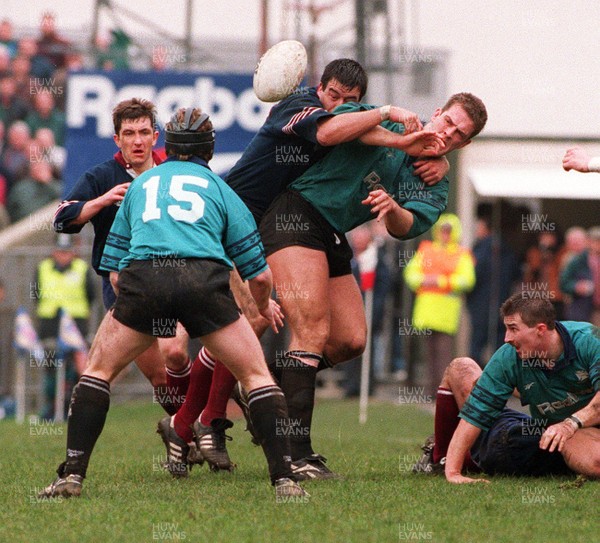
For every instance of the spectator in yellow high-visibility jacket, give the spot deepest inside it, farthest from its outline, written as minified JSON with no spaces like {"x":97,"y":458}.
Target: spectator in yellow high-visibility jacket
{"x":63,"y":282}
{"x":439,"y":273}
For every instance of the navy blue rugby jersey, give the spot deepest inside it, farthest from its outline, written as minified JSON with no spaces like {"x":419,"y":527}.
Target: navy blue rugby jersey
{"x":284,"y":148}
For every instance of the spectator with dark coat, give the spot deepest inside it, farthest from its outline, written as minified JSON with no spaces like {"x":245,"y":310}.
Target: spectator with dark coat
{"x":490,"y":252}
{"x":50,"y":45}
{"x":581,"y":280}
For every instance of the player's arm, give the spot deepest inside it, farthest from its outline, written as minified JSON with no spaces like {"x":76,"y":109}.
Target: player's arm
{"x":93,"y":207}
{"x":416,"y":215}
{"x":260,"y":288}
{"x":345,"y":127}
{"x":421,"y":143}
{"x":463,"y":439}
{"x":398,"y":220}
{"x":577,"y":159}
{"x":244,"y":246}
{"x":118,"y":243}
{"x":555,"y":436}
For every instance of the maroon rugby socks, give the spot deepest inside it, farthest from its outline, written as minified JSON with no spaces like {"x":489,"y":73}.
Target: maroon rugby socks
{"x":201,"y":376}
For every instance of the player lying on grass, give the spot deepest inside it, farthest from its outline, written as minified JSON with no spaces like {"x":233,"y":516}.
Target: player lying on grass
{"x":299,"y":131}
{"x":304,"y":237}
{"x":173,"y":241}
{"x":554,"y":366}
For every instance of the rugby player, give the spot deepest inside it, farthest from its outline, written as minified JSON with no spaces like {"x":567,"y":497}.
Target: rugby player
{"x":299,"y":131}
{"x":96,"y":198}
{"x":184,"y":212}
{"x":554,"y":367}
{"x":303,"y":234}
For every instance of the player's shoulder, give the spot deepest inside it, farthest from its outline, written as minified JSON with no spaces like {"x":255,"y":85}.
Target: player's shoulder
{"x":581,"y":331}
{"x":504,"y":356}
{"x":106,"y":170}
{"x":303,"y":97}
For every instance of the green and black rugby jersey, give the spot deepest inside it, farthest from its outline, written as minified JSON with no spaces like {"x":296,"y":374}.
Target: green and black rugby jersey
{"x":552,"y":394}
{"x":338,"y":183}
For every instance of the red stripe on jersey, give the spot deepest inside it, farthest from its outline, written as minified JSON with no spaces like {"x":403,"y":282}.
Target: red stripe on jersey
{"x":289,"y":127}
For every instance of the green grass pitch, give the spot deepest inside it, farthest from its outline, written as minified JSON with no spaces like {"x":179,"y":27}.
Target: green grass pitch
{"x":127,"y":497}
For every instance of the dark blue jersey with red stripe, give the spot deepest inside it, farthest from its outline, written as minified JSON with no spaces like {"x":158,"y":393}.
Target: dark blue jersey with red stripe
{"x":284,"y":148}
{"x":91,"y":185}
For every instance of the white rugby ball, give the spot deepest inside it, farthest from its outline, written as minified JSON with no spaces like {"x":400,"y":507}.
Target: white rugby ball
{"x":279,"y":71}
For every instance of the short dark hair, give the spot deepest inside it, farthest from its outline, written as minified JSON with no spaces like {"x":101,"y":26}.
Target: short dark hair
{"x":474,"y":108}
{"x":135,"y":108}
{"x":533,"y":310}
{"x":348,"y":72}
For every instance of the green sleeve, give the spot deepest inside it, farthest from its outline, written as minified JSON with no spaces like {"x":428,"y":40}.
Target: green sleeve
{"x":489,"y":396}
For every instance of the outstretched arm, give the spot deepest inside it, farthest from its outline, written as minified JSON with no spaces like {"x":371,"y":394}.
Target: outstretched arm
{"x":421,"y":143}
{"x":463,"y":439}
{"x":349,"y":126}
{"x":578,"y":159}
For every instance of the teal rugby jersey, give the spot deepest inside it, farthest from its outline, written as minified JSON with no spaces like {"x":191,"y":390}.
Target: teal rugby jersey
{"x":181,"y":209}
{"x":338,"y":183}
{"x":552,"y":395}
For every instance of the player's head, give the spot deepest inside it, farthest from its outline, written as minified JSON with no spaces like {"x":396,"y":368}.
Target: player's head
{"x":190,"y":133}
{"x":133,"y":109}
{"x":64,"y":251}
{"x":576,"y":239}
{"x":134,"y":121}
{"x":461,"y":118}
{"x":527,"y":320}
{"x":343,"y":80}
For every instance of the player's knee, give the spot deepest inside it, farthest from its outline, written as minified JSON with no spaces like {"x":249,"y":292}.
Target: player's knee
{"x":461,"y":370}
{"x":176,"y":357}
{"x":350,"y":348}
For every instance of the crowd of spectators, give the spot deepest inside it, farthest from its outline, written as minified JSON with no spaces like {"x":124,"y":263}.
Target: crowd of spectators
{"x":32,"y":118}
{"x":33,"y":72}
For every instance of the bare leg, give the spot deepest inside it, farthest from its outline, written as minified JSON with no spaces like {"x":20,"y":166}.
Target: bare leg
{"x":582,"y":452}
{"x":460,"y":377}
{"x":348,"y":326}
{"x":174,"y":350}
{"x":114,"y":346}
{"x":238,"y":348}
{"x":301,"y":278}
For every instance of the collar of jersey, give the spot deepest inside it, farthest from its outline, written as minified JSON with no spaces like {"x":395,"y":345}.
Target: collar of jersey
{"x":568,"y":353}
{"x":194,"y":159}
